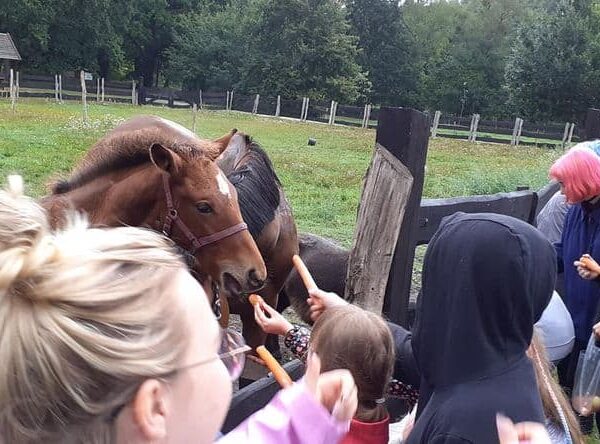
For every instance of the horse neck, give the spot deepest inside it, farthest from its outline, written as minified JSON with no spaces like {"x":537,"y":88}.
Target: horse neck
{"x":132,"y":197}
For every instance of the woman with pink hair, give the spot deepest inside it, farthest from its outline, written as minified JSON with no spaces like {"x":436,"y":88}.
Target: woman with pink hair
{"x":578,"y":172}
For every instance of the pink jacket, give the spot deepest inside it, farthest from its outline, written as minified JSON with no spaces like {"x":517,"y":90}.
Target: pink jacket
{"x":292,"y":417}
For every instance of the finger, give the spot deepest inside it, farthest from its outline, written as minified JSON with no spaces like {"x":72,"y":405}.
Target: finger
{"x":532,"y":432}
{"x":507,"y":433}
{"x":587,"y":256}
{"x":260,"y":317}
{"x":255,"y":359}
{"x":579,"y":264}
{"x":313,"y":370}
{"x":270,"y":310}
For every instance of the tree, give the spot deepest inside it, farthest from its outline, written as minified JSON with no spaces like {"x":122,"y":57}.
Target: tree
{"x":303,"y":47}
{"x":547,"y":69}
{"x":387,"y":50}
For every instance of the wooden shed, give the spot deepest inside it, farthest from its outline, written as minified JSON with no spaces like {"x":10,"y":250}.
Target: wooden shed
{"x":8,"y":52}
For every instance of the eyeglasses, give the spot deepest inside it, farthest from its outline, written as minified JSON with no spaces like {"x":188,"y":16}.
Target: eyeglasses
{"x":232,"y":352}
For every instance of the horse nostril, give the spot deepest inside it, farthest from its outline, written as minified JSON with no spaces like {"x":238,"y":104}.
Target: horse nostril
{"x":254,"y":280}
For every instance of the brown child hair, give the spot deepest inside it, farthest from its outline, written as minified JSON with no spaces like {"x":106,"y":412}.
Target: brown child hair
{"x":360,"y":341}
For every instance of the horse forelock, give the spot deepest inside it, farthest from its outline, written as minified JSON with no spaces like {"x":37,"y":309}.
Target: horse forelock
{"x":122,"y":150}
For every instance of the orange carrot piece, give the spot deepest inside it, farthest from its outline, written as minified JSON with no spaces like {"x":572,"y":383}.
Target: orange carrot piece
{"x":308,"y":280}
{"x":255,"y":299}
{"x":279,"y":373}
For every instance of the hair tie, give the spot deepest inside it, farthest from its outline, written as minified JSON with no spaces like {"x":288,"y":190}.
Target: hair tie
{"x":380,"y":401}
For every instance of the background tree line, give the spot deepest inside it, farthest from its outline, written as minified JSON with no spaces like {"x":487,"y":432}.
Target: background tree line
{"x":536,"y":58}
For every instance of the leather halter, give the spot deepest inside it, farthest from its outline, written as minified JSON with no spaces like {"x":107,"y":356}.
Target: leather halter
{"x":197,"y":242}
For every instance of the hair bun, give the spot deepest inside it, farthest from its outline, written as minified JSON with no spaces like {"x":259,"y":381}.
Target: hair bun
{"x":26,"y":244}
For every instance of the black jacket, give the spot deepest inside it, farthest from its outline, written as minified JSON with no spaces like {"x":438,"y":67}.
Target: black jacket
{"x":486,"y":280}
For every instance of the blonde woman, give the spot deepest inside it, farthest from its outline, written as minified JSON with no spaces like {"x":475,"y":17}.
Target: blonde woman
{"x":105,"y":337}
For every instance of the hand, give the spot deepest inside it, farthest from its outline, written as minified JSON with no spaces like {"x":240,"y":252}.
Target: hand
{"x":320,"y":300}
{"x":529,"y":432}
{"x":335,"y":390}
{"x":596,"y":329}
{"x":587,"y":267}
{"x":275,"y":323}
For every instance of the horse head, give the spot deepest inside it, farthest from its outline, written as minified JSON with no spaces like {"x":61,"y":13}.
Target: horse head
{"x":203,"y":216}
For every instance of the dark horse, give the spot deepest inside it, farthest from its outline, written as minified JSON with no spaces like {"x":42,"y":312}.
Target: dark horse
{"x":151,"y":172}
{"x":269,"y":217}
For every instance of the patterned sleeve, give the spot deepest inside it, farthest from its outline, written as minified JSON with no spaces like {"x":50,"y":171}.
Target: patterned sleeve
{"x":296,"y":340}
{"x":400,"y":390}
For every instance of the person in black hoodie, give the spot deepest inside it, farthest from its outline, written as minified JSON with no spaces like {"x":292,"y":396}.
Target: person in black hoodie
{"x":486,"y":280}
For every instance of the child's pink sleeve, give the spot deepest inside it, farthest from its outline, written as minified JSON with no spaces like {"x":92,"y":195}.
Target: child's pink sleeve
{"x":292,"y":417}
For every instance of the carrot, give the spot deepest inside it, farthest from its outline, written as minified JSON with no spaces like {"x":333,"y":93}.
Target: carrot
{"x":308,"y":280}
{"x":279,"y":373}
{"x":255,"y":299}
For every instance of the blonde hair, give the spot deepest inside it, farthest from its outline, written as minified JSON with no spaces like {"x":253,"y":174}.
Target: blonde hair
{"x":557,"y":407}
{"x":360,"y":341}
{"x":84,"y":320}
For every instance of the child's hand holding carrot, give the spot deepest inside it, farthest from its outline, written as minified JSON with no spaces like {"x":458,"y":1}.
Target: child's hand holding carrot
{"x":270,"y":320}
{"x":587,"y":267}
{"x":320,"y":300}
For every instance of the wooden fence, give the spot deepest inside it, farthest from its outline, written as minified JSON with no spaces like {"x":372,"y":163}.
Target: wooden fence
{"x":472,"y":128}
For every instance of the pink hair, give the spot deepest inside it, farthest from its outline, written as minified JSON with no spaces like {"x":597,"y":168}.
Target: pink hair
{"x":579,"y":172}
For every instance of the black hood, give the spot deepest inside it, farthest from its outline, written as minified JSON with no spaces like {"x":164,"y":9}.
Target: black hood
{"x":487,"y":278}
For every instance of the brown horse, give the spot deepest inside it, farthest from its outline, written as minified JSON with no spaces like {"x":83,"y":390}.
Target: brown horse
{"x":150,"y":172}
{"x":269,"y":217}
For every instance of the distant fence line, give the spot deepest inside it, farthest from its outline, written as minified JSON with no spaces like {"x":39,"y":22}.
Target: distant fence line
{"x":471,"y":128}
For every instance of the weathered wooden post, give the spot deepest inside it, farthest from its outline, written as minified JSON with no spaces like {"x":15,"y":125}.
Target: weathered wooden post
{"x":227,"y":102}
{"x":17,"y":87}
{"x":133,"y":92}
{"x":278,"y":107}
{"x":60,"y":88}
{"x":102,"y":85}
{"x":255,"y":106}
{"x":56,"y":88}
{"x":97,"y":89}
{"x":519,"y":131}
{"x":436,"y":123}
{"x":380,"y":264}
{"x":83,"y":96}
{"x":200,"y":99}
{"x":330,"y":121}
{"x":565,"y":135}
{"x":571,"y":133}
{"x":364,"y":119}
{"x":12,"y":89}
{"x":368,"y":119}
{"x":194,"y":115}
{"x":303,"y":106}
{"x":231,"y":101}
{"x":473,"y":129}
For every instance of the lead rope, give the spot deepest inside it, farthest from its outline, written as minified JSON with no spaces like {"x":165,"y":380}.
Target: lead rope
{"x":561,"y":413}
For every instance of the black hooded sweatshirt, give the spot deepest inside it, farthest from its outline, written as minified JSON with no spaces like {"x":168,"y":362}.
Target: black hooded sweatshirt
{"x":486,"y":280}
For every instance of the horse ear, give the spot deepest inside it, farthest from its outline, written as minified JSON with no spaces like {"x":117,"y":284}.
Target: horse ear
{"x":164,"y":158}
{"x":219,"y":145}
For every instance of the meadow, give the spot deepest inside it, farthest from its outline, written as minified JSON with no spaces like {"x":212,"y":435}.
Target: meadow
{"x":43,"y":140}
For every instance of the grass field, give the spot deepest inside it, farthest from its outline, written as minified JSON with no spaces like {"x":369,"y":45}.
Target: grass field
{"x":42,"y":140}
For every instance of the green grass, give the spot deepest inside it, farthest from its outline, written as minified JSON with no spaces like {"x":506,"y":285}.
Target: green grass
{"x":42,"y":140}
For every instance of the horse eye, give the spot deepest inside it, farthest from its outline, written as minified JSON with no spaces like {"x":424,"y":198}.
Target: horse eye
{"x":204,"y":208}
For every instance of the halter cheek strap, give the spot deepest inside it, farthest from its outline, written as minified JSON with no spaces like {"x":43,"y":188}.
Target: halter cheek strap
{"x":172,"y":217}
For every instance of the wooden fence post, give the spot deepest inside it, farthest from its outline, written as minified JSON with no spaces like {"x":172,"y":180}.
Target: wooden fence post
{"x":520,"y":129}
{"x":330,"y":122}
{"x":56,"y":88}
{"x":60,"y":88}
{"x":364,"y":119}
{"x":513,"y":140}
{"x":97,"y":89}
{"x":384,"y":247}
{"x":571,"y":133}
{"x":368,"y":115}
{"x":473,"y":129}
{"x":12,"y":89}
{"x":102,"y":84}
{"x":227,"y":102}
{"x":194,"y":115}
{"x":335,"y":105}
{"x":404,"y":133}
{"x":200,"y":97}
{"x":303,"y":105}
{"x":231,"y":101}
{"x":133,"y":92}
{"x":306,"y":110}
{"x":278,"y":107}
{"x":436,"y":122}
{"x":255,"y":106}
{"x":17,"y":87}
{"x":83,"y":96}
{"x":565,"y":135}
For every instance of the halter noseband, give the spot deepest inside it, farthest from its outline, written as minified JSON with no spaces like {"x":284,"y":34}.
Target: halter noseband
{"x":197,"y":242}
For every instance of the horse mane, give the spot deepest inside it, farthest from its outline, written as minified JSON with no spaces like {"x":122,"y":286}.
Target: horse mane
{"x":257,"y":186}
{"x":120,"y":150}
